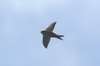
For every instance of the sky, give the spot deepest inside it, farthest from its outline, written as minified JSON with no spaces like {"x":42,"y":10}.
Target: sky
{"x":21,"y":41}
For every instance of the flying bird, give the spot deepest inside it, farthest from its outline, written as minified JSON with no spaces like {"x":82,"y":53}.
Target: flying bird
{"x":48,"y":33}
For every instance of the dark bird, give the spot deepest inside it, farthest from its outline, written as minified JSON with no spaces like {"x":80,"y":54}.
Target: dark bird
{"x":48,"y":33}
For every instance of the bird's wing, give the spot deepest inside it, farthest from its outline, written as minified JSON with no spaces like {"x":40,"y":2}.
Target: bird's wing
{"x":46,"y":40}
{"x":51,"y":26}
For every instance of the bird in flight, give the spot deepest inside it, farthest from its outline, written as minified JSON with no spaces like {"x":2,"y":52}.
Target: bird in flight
{"x":48,"y":33}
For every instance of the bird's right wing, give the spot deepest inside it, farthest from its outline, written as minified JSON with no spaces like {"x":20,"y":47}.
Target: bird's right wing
{"x":46,"y":40}
{"x":51,"y":26}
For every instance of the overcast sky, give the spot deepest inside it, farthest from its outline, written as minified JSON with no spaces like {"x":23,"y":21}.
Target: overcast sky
{"x":21,"y":41}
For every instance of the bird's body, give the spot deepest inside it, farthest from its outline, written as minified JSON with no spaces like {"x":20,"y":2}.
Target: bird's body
{"x":51,"y":34}
{"x":48,"y":33}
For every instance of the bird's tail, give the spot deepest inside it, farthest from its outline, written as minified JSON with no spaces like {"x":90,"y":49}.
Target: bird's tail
{"x":61,"y":35}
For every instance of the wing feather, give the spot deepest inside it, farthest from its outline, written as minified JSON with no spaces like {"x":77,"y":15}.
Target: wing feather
{"x":51,"y":26}
{"x":46,"y":40}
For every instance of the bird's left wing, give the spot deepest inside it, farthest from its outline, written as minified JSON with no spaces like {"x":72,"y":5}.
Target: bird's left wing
{"x":46,"y":40}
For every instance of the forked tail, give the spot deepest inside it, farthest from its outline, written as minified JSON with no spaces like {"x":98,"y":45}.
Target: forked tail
{"x":61,"y":35}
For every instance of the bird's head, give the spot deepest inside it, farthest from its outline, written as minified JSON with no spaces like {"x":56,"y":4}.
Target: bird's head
{"x":42,"y":31}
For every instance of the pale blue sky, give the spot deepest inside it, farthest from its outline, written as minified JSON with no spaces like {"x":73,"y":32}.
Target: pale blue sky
{"x":21,"y":41}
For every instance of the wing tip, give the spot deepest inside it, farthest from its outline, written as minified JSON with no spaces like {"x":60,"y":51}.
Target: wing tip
{"x":55,"y":22}
{"x":45,"y":46}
